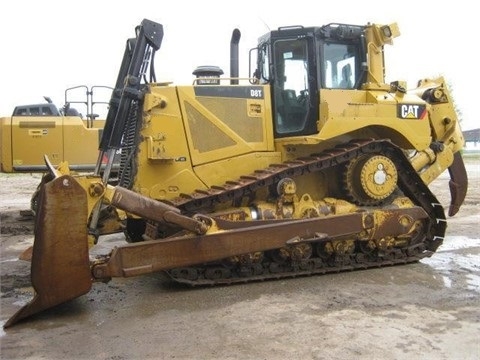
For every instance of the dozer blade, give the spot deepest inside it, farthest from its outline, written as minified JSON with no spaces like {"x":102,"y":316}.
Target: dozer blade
{"x":458,"y":184}
{"x":60,"y":269}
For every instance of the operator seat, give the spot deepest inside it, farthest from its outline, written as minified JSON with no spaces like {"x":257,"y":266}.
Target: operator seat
{"x":346,"y":82}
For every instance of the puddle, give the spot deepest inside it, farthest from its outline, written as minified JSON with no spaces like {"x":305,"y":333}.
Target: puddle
{"x":458,"y":262}
{"x":452,"y":243}
{"x":447,"y":281}
{"x":2,"y":332}
{"x":8,"y":260}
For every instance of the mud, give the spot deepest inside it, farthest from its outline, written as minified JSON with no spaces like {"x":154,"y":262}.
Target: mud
{"x":427,"y":310}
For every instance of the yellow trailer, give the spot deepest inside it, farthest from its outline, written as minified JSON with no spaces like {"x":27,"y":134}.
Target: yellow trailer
{"x":36,"y":130}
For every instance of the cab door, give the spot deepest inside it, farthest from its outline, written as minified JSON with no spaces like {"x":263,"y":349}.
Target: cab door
{"x":294,"y":87}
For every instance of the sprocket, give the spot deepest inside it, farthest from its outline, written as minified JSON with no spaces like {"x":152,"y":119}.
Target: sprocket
{"x":370,"y":179}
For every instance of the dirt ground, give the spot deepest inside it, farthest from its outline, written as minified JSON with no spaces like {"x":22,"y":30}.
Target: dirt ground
{"x":427,"y":310}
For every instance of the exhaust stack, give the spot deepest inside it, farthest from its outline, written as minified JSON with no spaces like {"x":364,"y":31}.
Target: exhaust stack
{"x":234,"y":62}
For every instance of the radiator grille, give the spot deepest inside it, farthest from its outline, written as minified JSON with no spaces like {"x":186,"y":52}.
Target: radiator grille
{"x":205,"y":135}
{"x":233,"y":112}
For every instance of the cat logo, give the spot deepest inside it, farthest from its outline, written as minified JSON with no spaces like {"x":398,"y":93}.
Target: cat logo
{"x":411,"y":111}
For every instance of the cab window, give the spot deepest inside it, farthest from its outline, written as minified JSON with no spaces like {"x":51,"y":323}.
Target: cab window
{"x":340,"y":69}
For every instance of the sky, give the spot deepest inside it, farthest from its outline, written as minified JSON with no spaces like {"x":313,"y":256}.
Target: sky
{"x":49,"y":46}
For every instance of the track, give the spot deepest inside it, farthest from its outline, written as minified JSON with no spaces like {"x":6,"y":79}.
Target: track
{"x":409,"y":183}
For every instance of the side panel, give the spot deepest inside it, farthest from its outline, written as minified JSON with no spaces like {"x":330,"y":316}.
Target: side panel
{"x":226,"y":121}
{"x":342,"y":112}
{"x":164,"y":166}
{"x":192,"y":141}
{"x":81,"y":143}
{"x":60,"y":138}
{"x":32,"y":138}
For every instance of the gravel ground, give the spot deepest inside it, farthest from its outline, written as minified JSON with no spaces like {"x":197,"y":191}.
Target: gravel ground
{"x":427,"y":310}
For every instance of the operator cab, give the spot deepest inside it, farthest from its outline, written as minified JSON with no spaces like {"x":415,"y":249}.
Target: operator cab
{"x":36,"y":110}
{"x":297,"y":62}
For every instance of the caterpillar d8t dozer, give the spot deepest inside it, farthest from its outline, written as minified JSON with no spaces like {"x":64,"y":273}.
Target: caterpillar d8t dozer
{"x":310,"y":166}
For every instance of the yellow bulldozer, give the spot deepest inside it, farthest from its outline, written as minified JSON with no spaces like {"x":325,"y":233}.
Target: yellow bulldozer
{"x":310,"y":165}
